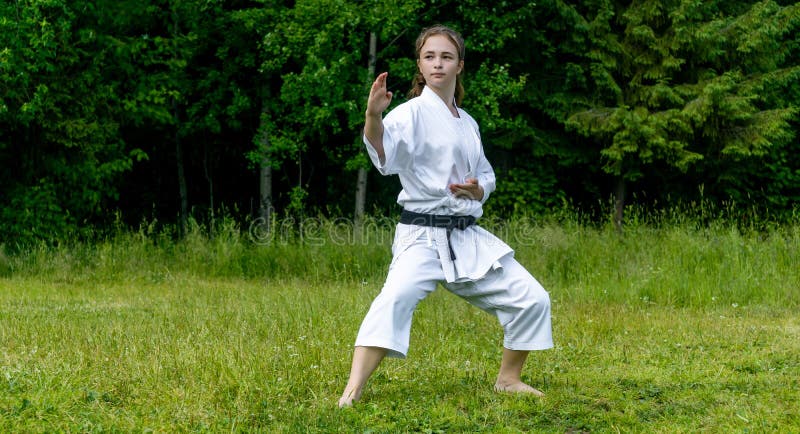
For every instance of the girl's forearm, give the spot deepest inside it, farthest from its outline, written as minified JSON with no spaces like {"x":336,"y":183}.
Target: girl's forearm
{"x":373,"y":131}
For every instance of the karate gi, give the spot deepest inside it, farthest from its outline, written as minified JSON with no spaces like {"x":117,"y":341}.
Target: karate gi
{"x":429,"y":149}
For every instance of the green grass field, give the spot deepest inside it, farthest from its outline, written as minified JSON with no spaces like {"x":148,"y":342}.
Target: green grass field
{"x":666,"y":328}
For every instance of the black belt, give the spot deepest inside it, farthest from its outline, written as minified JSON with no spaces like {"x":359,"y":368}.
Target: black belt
{"x":448,"y":222}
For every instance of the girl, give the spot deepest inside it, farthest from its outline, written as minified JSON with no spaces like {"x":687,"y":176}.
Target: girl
{"x":434,"y":146}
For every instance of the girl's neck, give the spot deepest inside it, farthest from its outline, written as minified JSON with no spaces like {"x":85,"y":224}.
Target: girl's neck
{"x":448,"y":97}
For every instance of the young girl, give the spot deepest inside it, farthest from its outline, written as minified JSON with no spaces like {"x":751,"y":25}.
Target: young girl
{"x":434,"y":146}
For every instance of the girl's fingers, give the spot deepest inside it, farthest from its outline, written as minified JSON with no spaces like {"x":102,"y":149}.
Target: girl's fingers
{"x":379,"y":96}
{"x":380,"y":82}
{"x":470,"y":190}
{"x":379,"y":85}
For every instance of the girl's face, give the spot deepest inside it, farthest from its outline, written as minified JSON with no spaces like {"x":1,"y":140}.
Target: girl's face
{"x":439,"y":63}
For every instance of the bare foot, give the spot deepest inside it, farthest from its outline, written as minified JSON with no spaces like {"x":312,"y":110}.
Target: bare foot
{"x":517,"y":387}
{"x":349,"y":397}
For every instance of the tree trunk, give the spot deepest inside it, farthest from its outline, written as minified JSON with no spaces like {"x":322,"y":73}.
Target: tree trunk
{"x":210,"y":181}
{"x":265,"y":189}
{"x":361,"y":183}
{"x":619,"y":202}
{"x":265,"y":173}
{"x":361,"y":195}
{"x":182,"y":191}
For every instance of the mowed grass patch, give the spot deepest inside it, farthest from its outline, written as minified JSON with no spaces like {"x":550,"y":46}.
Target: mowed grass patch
{"x":190,"y":353}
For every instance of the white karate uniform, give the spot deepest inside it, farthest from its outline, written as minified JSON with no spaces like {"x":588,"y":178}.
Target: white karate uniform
{"x":429,"y":149}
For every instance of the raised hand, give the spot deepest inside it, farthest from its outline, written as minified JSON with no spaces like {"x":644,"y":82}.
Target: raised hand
{"x":379,"y":96}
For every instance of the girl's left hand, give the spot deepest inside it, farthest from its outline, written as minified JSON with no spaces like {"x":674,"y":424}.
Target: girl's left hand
{"x":470,"y":190}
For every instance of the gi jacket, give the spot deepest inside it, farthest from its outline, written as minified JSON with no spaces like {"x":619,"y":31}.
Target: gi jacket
{"x":429,"y":149}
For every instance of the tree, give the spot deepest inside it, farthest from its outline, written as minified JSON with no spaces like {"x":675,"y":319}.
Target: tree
{"x":194,"y":97}
{"x":361,"y":184}
{"x":323,"y":84}
{"x":59,"y":119}
{"x":679,"y":82}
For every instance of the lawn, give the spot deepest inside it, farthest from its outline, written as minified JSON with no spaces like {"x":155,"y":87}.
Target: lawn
{"x":660,"y":330}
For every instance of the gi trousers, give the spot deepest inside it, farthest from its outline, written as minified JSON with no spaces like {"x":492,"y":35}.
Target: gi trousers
{"x":509,"y":292}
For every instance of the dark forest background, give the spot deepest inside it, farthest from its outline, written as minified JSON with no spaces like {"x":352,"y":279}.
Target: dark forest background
{"x":144,"y":110}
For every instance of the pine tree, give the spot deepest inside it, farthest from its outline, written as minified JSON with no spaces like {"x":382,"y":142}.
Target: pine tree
{"x":681,"y":82}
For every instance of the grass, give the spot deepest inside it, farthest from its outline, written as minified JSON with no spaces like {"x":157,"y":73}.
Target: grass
{"x":673,"y":328}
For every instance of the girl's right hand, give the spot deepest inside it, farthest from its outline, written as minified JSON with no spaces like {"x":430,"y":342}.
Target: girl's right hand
{"x":379,"y":96}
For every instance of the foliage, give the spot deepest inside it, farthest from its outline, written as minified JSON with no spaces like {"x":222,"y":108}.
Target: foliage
{"x":60,"y":145}
{"x":101,"y":102}
{"x":683,"y":82}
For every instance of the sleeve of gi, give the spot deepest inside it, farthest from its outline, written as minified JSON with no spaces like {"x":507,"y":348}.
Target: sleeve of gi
{"x":398,"y":141}
{"x":485,"y":174}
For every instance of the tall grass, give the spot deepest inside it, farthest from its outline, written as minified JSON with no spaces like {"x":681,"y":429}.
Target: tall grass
{"x":673,"y":265}
{"x":669,"y":259}
{"x":315,"y":249}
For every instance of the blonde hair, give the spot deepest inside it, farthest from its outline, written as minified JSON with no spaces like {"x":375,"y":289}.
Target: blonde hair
{"x":419,"y":80}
